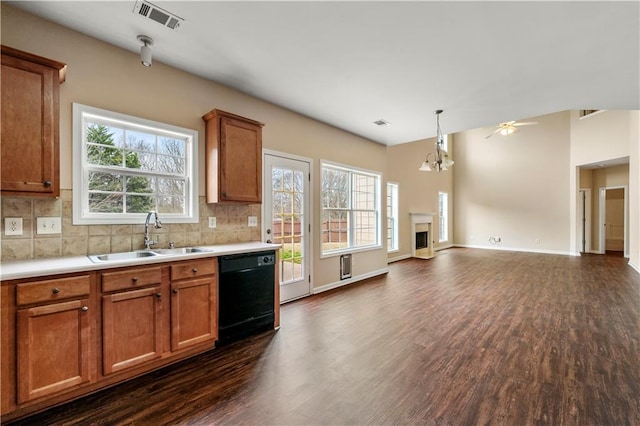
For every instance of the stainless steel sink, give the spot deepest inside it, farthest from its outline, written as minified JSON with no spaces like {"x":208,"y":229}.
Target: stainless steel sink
{"x":181,"y":250}
{"x":109,"y":257}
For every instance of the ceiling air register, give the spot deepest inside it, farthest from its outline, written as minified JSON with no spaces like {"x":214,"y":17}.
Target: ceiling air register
{"x":158,"y":14}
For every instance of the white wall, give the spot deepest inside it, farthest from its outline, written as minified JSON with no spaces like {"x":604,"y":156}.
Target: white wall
{"x":515,"y":187}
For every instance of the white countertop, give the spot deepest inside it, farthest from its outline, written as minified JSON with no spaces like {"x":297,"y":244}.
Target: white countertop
{"x":32,"y":268}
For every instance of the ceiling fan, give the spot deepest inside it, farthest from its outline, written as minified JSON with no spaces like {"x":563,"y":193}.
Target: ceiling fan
{"x":509,"y":127}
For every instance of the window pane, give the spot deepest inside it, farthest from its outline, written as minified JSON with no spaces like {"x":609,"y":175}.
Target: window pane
{"x":363,"y":192}
{"x":335,"y":226}
{"x":364,"y":228}
{"x":104,"y":135}
{"x":140,"y":141}
{"x":140,"y":184}
{"x":141,"y":160}
{"x":171,"y":205}
{"x":105,"y":203}
{"x":335,"y":187}
{"x":140,"y":203}
{"x":167,"y":164}
{"x":443,"y":216}
{"x":104,"y":155}
{"x":105,"y":182}
{"x":169,"y":146}
{"x":171,"y":186}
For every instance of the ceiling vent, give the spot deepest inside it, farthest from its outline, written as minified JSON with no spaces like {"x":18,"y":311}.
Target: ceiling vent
{"x":381,"y":122}
{"x":155,"y":13}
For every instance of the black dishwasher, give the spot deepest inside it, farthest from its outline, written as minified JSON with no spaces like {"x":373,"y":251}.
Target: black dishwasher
{"x":246,"y":295}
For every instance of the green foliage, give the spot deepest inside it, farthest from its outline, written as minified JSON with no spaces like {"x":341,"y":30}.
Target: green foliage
{"x":288,"y":255}
{"x":102,"y":150}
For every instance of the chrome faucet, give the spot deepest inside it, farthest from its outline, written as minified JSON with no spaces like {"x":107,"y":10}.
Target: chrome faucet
{"x":148,"y":242}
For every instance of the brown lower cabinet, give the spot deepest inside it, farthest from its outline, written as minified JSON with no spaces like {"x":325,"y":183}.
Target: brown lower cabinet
{"x":73,"y":334}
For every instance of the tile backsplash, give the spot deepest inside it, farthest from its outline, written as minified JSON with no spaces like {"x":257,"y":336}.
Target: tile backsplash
{"x":77,"y":240}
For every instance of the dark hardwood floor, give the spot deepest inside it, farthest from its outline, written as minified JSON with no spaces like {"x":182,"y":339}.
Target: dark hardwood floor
{"x":469,"y":337}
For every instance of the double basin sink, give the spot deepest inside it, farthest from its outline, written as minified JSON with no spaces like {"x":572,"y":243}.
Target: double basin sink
{"x":113,"y":257}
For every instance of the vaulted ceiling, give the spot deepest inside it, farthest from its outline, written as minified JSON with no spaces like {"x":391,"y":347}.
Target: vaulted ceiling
{"x":350,"y":63}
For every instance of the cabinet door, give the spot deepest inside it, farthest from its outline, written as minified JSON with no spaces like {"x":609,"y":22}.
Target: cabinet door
{"x":54,"y":348}
{"x":30,"y":125}
{"x":131,"y":328}
{"x":240,"y":161}
{"x":194,"y":316}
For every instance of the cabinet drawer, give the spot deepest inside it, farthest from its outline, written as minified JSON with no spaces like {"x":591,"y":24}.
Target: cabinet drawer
{"x":131,"y":278}
{"x":192,"y":269}
{"x":50,"y":290}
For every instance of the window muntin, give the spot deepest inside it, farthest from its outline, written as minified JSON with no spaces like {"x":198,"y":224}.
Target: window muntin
{"x":392,"y":217}
{"x":350,"y":209}
{"x":127,"y":166}
{"x":443,"y":217}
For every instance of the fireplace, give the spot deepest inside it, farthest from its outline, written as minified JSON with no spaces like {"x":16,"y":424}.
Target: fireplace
{"x":421,"y":234}
{"x":422,"y":239}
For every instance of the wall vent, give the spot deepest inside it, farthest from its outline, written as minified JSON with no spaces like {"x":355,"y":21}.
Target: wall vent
{"x":345,"y":266}
{"x":158,"y":14}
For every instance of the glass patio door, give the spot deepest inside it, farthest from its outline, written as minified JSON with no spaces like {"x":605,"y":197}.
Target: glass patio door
{"x":286,"y":221}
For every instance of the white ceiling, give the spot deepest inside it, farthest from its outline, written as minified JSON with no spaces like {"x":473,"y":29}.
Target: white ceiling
{"x":350,"y":63}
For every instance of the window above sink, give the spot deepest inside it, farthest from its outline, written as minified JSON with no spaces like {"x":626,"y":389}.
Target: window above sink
{"x":125,"y":166}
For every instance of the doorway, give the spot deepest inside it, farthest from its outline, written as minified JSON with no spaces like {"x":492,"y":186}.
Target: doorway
{"x":613,"y":220}
{"x":287,"y":219}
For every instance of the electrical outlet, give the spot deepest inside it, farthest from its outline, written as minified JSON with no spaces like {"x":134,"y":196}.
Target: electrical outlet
{"x":48,"y":225}
{"x":12,"y":226}
{"x":212,"y":222}
{"x":537,"y":240}
{"x":253,"y":221}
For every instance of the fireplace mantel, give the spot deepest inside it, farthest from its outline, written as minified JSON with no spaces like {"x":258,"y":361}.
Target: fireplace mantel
{"x":421,"y":244}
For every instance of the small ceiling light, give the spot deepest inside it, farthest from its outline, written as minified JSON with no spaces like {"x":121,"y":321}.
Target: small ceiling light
{"x":145,"y":50}
{"x":441,"y":161}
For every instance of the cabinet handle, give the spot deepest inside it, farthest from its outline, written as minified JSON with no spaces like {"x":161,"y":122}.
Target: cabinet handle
{"x":56,"y":290}
{"x":175,"y":291}
{"x":134,"y":279}
{"x":194,"y":270}
{"x":224,"y":195}
{"x":47,"y":183}
{"x":85,"y":308}
{"x":158,"y":295}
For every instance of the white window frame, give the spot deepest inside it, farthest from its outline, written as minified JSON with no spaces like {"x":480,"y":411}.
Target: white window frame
{"x":378,"y":210}
{"x":81,"y":214}
{"x":443,"y":217}
{"x":393,"y":196}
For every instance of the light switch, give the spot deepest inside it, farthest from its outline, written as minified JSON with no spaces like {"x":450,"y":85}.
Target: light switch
{"x":48,"y":225}
{"x":253,"y":221}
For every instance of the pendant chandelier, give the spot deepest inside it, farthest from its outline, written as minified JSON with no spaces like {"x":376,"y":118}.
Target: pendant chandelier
{"x":441,"y":161}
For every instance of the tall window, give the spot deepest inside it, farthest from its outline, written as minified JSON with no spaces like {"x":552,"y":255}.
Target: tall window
{"x":443,"y":216}
{"x":350,"y":209}
{"x":392,"y":216}
{"x":125,"y":166}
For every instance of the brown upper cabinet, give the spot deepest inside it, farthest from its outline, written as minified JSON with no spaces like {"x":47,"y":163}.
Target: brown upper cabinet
{"x":30,"y":124}
{"x":233,"y":158}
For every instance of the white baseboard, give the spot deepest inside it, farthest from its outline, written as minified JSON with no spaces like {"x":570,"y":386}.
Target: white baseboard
{"x":527,"y":250}
{"x":351,"y":280}
{"x":448,"y":246}
{"x":636,"y":267}
{"x":397,"y":258}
